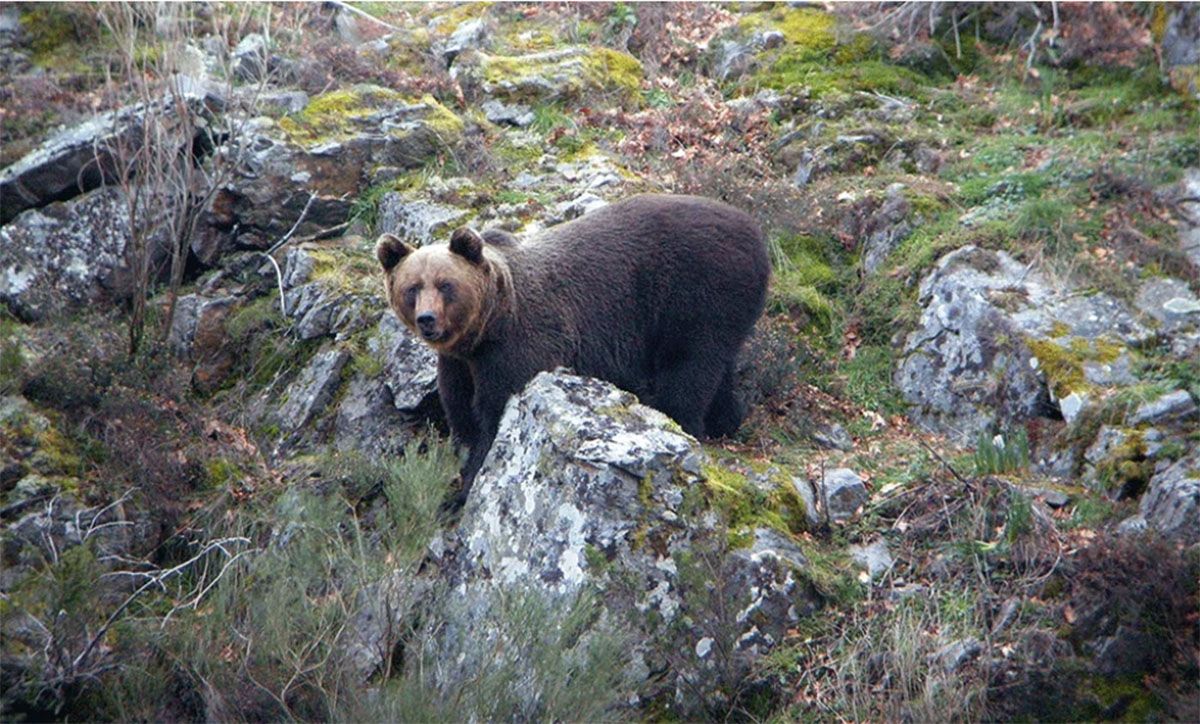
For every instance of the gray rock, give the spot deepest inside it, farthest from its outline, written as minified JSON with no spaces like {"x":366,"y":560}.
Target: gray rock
{"x":1187,"y":193}
{"x":833,"y":436}
{"x":1181,"y":37}
{"x":320,"y":309}
{"x":875,"y":558}
{"x":470,"y":34}
{"x":251,"y":59}
{"x":969,"y":367}
{"x":198,"y":336}
{"x":954,"y":656}
{"x":66,"y":256}
{"x":418,"y":222}
{"x":561,"y":73}
{"x":1173,"y":407}
{"x":955,"y":371}
{"x":1172,"y":304}
{"x":1117,"y":373}
{"x":80,"y":158}
{"x":581,"y":478}
{"x":805,"y":490}
{"x":1171,"y":504}
{"x":733,"y":58}
{"x":1133,"y":525}
{"x":62,"y":522}
{"x":313,"y":390}
{"x":279,"y":171}
{"x":888,"y":227}
{"x":807,"y":164}
{"x":1107,"y":439}
{"x":410,"y":366}
{"x":387,"y":404}
{"x":843,"y":492}
{"x":285,"y":101}
{"x":1169,"y":301}
{"x":576,"y":207}
{"x":383,"y":612}
{"x":513,"y":115}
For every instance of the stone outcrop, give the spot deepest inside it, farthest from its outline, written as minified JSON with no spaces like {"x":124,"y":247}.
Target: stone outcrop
{"x":999,"y":343}
{"x":585,"y":490}
{"x":68,"y":255}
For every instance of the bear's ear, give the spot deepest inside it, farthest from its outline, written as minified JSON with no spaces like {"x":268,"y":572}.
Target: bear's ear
{"x":467,"y":244}
{"x":390,"y":251}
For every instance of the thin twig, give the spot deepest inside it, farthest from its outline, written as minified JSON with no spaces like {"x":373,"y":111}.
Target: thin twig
{"x":308,"y":205}
{"x":942,"y":460}
{"x":158,"y":578}
{"x":279,"y":244}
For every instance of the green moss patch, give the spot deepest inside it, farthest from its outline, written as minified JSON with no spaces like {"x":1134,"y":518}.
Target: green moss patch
{"x":338,"y":115}
{"x":809,"y":32}
{"x":1061,"y":360}
{"x":569,"y":73}
{"x":746,"y":505}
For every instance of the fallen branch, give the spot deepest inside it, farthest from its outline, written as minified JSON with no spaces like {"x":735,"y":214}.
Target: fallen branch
{"x":279,"y":244}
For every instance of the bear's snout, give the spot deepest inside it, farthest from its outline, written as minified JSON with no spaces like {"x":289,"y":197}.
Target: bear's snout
{"x":427,"y":322}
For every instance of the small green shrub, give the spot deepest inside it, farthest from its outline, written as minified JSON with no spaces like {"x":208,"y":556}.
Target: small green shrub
{"x":1001,"y":454}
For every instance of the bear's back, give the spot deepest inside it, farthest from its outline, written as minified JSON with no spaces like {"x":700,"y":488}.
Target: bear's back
{"x":649,"y":272}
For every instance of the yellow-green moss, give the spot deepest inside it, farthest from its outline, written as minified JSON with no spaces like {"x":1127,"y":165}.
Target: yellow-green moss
{"x":221,"y":473}
{"x":457,"y":14}
{"x":56,"y":33}
{"x":346,"y":270}
{"x":859,"y":48}
{"x":746,"y":507}
{"x":1062,"y":369}
{"x":614,"y":69}
{"x":601,"y":69}
{"x":330,"y":116}
{"x":1126,"y":467}
{"x":1059,"y":329}
{"x":1063,"y":365}
{"x":809,"y":32}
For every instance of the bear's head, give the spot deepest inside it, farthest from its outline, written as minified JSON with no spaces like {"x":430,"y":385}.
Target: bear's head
{"x":446,"y":294}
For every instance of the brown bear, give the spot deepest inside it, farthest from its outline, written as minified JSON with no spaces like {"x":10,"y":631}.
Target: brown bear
{"x":654,"y":294}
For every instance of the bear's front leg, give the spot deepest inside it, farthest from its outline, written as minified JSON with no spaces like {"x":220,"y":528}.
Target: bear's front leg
{"x":457,"y":391}
{"x":491,"y":395}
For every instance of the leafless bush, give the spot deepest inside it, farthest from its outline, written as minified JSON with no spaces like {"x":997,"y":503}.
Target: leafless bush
{"x":1051,"y":32}
{"x":160,"y":166}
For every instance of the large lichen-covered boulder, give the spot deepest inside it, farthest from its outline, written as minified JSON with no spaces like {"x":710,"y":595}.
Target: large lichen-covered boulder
{"x":80,"y":158}
{"x":999,"y":343}
{"x":67,"y":255}
{"x":587,"y":492}
{"x":325,"y":152}
{"x":550,"y":75}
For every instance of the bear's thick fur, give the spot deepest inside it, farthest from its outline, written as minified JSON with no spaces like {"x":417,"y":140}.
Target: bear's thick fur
{"x":654,"y":293}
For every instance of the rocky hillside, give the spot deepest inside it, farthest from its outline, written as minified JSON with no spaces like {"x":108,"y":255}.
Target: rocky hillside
{"x":968,"y":486}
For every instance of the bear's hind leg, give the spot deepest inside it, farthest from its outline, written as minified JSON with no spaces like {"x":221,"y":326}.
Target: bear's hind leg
{"x":725,"y":413}
{"x":685,"y":385}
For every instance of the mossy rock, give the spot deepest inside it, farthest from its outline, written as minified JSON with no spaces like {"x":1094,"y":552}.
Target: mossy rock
{"x":747,"y":501}
{"x":557,"y":74}
{"x":342,"y":115}
{"x":1062,"y":359}
{"x":809,"y":32}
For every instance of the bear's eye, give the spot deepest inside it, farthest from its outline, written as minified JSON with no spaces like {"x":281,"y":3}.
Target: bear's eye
{"x":410,"y":295}
{"x":445,"y":287}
